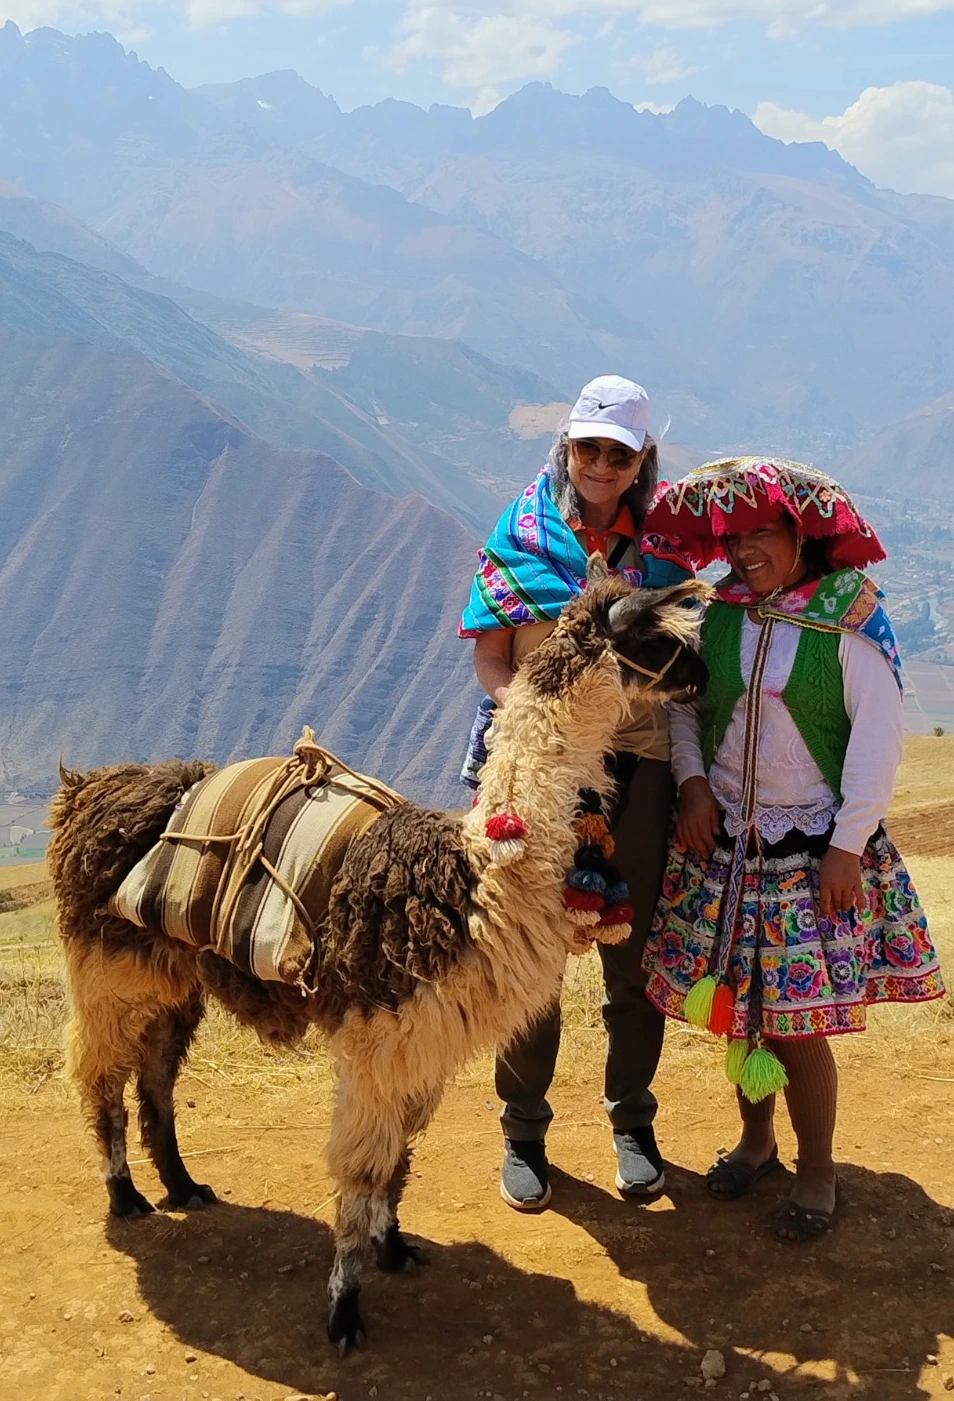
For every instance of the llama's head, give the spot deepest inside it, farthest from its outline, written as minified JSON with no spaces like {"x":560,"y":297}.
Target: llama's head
{"x":653,"y":633}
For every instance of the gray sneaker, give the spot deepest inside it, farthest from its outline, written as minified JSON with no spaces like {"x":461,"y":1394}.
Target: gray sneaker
{"x":525,"y":1178}
{"x":640,"y":1163}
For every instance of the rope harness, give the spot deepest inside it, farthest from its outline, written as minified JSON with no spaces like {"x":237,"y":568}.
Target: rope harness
{"x":309,"y":766}
{"x":655,"y":676}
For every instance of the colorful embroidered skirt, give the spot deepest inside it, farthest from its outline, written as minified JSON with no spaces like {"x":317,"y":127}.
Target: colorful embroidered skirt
{"x":794,"y":971}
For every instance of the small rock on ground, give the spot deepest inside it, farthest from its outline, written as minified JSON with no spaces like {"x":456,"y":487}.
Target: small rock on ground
{"x":712,"y":1365}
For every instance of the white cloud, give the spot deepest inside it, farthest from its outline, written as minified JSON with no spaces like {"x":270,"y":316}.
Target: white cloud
{"x":122,"y":16}
{"x":662,"y":66}
{"x":480,"y":53}
{"x":482,"y":45}
{"x":129,"y":38}
{"x":901,"y":137}
{"x":778,"y":17}
{"x":658,"y":109}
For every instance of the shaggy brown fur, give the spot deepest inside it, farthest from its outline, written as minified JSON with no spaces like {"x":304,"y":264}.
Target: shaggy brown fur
{"x":398,"y":913}
{"x":436,"y":942}
{"x":104,"y":822}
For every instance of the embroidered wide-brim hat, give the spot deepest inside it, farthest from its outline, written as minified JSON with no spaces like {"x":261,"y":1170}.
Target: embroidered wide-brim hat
{"x":741,"y":493}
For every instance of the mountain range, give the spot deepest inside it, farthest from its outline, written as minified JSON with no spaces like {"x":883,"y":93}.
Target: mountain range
{"x":173,"y":584}
{"x":767,"y":292}
{"x":268,"y":371}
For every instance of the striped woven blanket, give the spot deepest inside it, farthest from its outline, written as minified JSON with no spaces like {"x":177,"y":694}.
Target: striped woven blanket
{"x":247,"y":861}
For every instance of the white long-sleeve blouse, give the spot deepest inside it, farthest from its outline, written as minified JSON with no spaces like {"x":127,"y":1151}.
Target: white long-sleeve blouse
{"x":791,"y":790}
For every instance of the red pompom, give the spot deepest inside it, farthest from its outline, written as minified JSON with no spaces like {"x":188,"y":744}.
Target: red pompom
{"x":723,"y":1011}
{"x":582,"y":899}
{"x":617,"y":914}
{"x":506,"y":826}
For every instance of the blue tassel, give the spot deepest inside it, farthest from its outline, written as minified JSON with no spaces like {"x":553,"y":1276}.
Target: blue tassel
{"x":587,"y":880}
{"x":617,"y":894}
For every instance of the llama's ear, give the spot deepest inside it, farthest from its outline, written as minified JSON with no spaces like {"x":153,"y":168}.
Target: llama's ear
{"x":641,"y":601}
{"x":596,"y":568}
{"x":625,"y":611}
{"x":680,"y":593}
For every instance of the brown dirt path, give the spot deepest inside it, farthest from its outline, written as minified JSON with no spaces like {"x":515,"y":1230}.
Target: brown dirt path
{"x":595,"y":1300}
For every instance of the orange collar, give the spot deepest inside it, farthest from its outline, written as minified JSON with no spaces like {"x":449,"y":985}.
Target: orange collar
{"x":598,"y":540}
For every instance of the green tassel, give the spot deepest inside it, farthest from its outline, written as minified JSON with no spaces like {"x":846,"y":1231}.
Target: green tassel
{"x":698,"y":1004}
{"x":736,"y":1055}
{"x":762,"y":1075}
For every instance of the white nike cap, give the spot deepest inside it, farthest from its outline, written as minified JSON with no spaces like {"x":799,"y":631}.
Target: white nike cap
{"x":611,"y":407}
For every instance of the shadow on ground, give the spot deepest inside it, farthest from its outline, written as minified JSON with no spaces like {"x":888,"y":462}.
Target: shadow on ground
{"x":865,"y":1305}
{"x":472,"y":1324}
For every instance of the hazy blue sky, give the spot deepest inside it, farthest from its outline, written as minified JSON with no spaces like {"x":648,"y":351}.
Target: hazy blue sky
{"x":872,"y":78}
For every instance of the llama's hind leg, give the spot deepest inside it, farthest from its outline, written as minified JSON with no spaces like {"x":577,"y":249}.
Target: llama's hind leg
{"x":118,"y":986}
{"x":163,"y":1047}
{"x":103,"y":1053}
{"x":108,"y":1115}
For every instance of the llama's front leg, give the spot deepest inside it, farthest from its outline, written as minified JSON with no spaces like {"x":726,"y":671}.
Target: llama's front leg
{"x":358,"y":1213}
{"x":393,"y":1251}
{"x":164,"y":1046}
{"x":365,"y":1151}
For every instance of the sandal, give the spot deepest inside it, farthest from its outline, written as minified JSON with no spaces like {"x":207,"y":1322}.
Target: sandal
{"x":800,"y":1223}
{"x":729,"y":1181}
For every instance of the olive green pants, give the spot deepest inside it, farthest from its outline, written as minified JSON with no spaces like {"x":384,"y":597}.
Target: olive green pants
{"x":524,"y":1071}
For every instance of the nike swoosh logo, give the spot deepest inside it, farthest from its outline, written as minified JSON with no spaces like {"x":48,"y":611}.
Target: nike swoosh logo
{"x":606,"y":406}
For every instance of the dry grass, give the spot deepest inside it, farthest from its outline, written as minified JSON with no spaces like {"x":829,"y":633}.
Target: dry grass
{"x":26,"y":874}
{"x":924,"y":778}
{"x":33,"y":999}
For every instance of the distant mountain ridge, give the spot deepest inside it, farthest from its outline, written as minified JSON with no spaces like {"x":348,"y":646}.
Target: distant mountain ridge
{"x":537,"y":118}
{"x":46,"y":293}
{"x":208,"y":537}
{"x":174,"y":585}
{"x":763,"y":291}
{"x":143,"y":161}
{"x":911,"y":457}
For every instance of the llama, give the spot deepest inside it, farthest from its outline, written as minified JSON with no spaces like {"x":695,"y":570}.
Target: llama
{"x":439,"y":940}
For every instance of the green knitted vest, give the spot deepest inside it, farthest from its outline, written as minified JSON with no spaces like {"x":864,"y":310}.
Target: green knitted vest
{"x":814,"y":692}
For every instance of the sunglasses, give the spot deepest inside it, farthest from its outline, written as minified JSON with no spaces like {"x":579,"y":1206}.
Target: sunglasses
{"x":615,"y":455}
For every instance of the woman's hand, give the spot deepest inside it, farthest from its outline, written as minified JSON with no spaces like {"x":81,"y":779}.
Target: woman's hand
{"x":698,"y":817}
{"x":493,"y":662}
{"x":840,"y":880}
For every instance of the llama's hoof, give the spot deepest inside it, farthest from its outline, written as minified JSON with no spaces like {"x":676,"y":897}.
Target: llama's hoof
{"x":395,"y":1253}
{"x":125,"y":1201}
{"x":194,"y":1198}
{"x":345,"y":1324}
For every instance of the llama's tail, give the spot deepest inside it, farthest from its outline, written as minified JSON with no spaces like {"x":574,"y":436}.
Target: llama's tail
{"x":105,"y":820}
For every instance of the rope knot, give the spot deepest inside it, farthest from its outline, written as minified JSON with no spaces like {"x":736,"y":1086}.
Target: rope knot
{"x":310,"y":754}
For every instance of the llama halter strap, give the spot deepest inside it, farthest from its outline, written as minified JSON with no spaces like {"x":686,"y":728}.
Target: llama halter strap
{"x":656,"y":676}
{"x":610,"y":650}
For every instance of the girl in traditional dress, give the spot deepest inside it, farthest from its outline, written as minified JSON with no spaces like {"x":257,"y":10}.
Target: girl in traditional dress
{"x":592,"y":495}
{"x":786,"y":909}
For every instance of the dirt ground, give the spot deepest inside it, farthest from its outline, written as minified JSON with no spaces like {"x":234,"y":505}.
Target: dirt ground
{"x":595,"y":1298}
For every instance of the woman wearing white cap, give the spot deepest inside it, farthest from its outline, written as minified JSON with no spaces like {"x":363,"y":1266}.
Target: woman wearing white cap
{"x":592,"y":495}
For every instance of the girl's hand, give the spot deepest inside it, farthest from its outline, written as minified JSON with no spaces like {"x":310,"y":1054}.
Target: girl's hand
{"x":840,"y":879}
{"x":698,"y":818}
